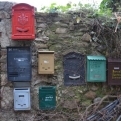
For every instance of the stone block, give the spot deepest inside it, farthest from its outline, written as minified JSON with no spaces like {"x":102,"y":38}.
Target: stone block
{"x":8,"y":6}
{"x":3,"y":51}
{"x":86,"y":37}
{"x":4,"y":15}
{"x":61,"y":30}
{"x":3,"y":59}
{"x":40,"y":20}
{"x":7,"y":98}
{"x":3,"y":67}
{"x":42,"y":25}
{"x":90,"y":95}
{"x":3,"y":79}
{"x":70,"y":104}
{"x":5,"y":28}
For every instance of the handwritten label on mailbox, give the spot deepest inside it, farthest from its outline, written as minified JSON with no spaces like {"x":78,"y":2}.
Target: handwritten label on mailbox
{"x":116,"y":74}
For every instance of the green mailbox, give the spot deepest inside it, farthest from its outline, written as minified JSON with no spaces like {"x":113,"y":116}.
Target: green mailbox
{"x":96,"y":69}
{"x":47,"y":98}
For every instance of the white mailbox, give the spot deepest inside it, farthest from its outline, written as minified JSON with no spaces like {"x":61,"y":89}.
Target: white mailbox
{"x":22,"y":99}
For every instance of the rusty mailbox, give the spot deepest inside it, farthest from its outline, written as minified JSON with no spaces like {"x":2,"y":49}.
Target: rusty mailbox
{"x":46,"y":62}
{"x":74,"y":69}
{"x":114,"y":71}
{"x":23,"y":22}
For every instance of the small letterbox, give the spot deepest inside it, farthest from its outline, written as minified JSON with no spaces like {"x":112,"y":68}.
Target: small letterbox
{"x":96,"y":69}
{"x":23,"y":22}
{"x":19,"y":63}
{"x":74,"y":69}
{"x":114,"y":71}
{"x":47,"y":98}
{"x":46,"y":62}
{"x":22,"y":99}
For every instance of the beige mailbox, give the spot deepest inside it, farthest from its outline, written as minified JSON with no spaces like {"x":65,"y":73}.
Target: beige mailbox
{"x":46,"y":62}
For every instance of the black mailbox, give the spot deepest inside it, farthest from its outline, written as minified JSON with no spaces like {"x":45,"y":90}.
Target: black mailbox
{"x":19,"y":63}
{"x":74,"y":69}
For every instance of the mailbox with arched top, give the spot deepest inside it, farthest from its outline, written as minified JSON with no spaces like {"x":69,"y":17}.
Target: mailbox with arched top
{"x":74,"y":69}
{"x":23,"y":22}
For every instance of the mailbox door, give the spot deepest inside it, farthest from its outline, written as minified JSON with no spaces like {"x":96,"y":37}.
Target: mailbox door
{"x":47,"y":98}
{"x":46,"y":64}
{"x":21,"y":99}
{"x":19,"y":63}
{"x":23,"y":22}
{"x":97,"y":71}
{"x":114,"y":73}
{"x":74,"y":69}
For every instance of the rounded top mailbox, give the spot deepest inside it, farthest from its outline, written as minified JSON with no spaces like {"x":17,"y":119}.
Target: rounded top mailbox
{"x":23,"y":22}
{"x":22,"y":6}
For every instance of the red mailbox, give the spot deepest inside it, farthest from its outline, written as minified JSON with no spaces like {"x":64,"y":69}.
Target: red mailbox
{"x":23,"y":22}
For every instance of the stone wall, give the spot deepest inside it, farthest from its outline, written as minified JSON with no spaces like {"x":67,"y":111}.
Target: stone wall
{"x":60,"y":33}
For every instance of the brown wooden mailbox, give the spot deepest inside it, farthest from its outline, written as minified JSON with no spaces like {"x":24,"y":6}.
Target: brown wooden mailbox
{"x":23,"y":22}
{"x":46,"y":62}
{"x":114,"y":71}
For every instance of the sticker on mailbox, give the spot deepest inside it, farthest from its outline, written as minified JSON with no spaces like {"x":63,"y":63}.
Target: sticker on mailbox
{"x":45,"y":61}
{"x":49,"y":98}
{"x":116,"y":68}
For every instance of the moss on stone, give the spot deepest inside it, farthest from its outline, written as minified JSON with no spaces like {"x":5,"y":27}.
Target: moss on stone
{"x":53,"y":27}
{"x":53,"y":36}
{"x":86,"y":102}
{"x":100,"y":92}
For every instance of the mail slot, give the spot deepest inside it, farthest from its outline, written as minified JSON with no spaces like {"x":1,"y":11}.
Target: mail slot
{"x":74,"y":69}
{"x":23,"y":22}
{"x":46,"y":62}
{"x":114,"y":71}
{"x":47,"y":97}
{"x":96,"y":69}
{"x":19,"y":63}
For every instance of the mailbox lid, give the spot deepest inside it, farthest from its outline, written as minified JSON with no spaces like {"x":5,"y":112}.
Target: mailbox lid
{"x":110,"y":60}
{"x":47,"y":97}
{"x":19,"y":63}
{"x":46,"y":52}
{"x":23,"y":22}
{"x":46,"y":62}
{"x":96,"y":69}
{"x":114,"y":71}
{"x":96,"y":58}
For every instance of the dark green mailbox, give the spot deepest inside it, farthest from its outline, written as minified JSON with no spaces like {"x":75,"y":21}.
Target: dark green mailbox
{"x":96,"y":69}
{"x":47,"y":98}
